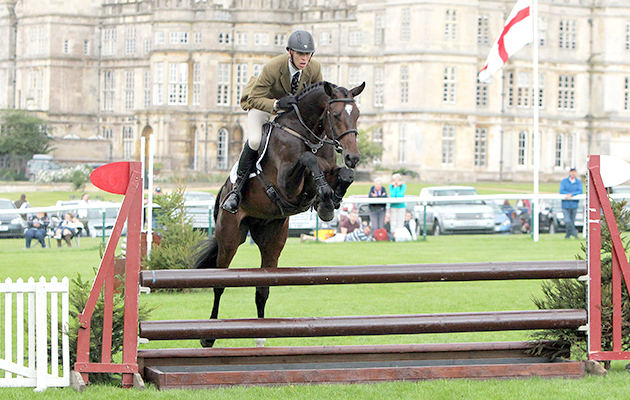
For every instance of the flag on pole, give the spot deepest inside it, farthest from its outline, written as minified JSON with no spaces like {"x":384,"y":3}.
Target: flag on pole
{"x":517,"y":32}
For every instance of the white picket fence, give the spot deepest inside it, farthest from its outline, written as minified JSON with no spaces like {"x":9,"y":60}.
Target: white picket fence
{"x":27,"y":308}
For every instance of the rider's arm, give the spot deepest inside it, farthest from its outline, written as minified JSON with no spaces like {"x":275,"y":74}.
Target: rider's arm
{"x":260,"y":97}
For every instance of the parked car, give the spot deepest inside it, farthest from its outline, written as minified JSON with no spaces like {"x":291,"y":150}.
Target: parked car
{"x":40,"y":162}
{"x":308,"y":221}
{"x":199,"y":206}
{"x":502,"y":223}
{"x":551,"y":218}
{"x":454,"y":216}
{"x":95,"y":220}
{"x":11,"y":225}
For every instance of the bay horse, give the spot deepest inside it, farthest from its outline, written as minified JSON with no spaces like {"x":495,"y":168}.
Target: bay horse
{"x":299,"y":171}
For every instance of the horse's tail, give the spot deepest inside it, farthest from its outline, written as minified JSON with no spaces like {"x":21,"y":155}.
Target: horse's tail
{"x":207,"y":251}
{"x":206,"y":254}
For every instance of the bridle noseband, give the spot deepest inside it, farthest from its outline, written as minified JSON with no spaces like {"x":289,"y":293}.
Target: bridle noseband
{"x":324,"y":140}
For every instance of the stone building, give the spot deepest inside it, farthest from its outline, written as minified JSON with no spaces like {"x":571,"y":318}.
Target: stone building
{"x":107,"y":72}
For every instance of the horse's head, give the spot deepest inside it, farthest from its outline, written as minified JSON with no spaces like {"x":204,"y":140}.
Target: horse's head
{"x":340,"y":121}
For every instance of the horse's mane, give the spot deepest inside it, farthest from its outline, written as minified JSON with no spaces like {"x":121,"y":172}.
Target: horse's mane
{"x":314,"y":86}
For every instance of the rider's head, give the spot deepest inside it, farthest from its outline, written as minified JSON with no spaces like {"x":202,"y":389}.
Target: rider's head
{"x":301,"y":47}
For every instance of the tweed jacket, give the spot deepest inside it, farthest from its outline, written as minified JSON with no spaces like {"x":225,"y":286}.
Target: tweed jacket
{"x":274,"y":82}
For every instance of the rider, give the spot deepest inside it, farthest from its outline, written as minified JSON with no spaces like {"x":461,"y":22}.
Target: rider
{"x":274,"y":90}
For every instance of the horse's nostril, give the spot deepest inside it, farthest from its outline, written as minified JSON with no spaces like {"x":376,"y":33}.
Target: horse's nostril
{"x":352,"y":160}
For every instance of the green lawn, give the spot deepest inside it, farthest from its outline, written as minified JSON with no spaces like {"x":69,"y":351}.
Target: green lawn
{"x":350,"y":300}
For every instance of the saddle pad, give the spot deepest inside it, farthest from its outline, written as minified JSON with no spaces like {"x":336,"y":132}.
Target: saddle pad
{"x":266,"y":135}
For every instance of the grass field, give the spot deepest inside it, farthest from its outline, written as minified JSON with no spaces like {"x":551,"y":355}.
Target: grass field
{"x":350,"y":300}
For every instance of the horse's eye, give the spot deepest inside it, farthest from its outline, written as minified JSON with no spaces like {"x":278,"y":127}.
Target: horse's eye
{"x":337,"y":115}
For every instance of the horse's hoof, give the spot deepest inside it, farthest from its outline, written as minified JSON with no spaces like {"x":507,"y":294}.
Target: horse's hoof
{"x":325,"y":212}
{"x":260,"y":342}
{"x":207,"y":342}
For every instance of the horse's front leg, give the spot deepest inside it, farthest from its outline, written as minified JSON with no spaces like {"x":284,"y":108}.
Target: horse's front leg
{"x":342,"y":178}
{"x":326,"y":208}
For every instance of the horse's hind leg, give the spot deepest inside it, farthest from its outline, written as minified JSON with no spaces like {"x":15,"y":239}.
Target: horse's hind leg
{"x":270,"y":238}
{"x":218,"y":292}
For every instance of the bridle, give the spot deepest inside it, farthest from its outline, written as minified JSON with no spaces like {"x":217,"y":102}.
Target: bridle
{"x":324,"y":140}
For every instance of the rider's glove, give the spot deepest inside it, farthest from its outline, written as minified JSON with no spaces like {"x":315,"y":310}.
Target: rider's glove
{"x":286,"y":102}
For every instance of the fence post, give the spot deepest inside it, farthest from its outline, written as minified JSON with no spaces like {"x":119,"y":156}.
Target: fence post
{"x":41,"y":334}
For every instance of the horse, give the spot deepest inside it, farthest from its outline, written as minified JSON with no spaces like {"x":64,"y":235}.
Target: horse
{"x":298,"y":170}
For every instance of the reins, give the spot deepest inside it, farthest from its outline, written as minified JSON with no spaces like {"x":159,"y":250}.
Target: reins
{"x":320,"y":141}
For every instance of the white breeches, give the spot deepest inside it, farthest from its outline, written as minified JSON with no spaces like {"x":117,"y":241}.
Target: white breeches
{"x":255,"y":121}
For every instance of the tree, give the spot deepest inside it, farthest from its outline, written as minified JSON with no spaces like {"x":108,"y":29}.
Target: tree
{"x":370,"y":150}
{"x":23,"y":135}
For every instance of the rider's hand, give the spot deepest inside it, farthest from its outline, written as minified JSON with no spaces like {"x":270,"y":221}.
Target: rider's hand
{"x":286,"y":102}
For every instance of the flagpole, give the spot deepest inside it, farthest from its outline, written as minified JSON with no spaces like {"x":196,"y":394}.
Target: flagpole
{"x":536,"y":78}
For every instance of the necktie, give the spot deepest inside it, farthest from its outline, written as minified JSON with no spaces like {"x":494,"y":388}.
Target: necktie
{"x":294,"y":82}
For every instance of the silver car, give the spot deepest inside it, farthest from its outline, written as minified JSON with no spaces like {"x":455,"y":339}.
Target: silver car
{"x":453,"y":216}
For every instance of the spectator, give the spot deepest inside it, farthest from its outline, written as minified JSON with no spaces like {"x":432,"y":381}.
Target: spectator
{"x":82,"y":212}
{"x":22,"y":204}
{"x":37,"y":226}
{"x":397,"y":210}
{"x":67,"y":229}
{"x":362,"y":234}
{"x":570,"y":186}
{"x":346,"y":226}
{"x":408,"y":231}
{"x":377,"y":211}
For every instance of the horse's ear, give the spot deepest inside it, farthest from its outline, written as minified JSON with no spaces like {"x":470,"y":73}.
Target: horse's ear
{"x":328,"y":89}
{"x":357,"y":90}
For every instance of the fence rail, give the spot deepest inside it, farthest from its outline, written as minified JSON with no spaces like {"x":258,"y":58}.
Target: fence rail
{"x":27,"y":321}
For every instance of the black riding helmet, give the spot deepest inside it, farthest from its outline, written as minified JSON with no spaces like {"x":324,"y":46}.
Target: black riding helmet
{"x":301,"y":41}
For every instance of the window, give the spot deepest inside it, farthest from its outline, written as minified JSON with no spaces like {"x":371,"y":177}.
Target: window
{"x":379,"y":30}
{"x":568,"y":34}
{"x":147,"y":46}
{"x":225,"y":38}
{"x":510,"y":91}
{"x":37,"y":40}
{"x":405,"y":26}
{"x":481,"y":146}
{"x":158,"y":81}
{"x":66,"y":46}
{"x":130,"y":40}
{"x":127,"y":142}
{"x":377,"y":137}
{"x":402,"y":144}
{"x":197,"y":37}
{"x":325,"y":39}
{"x":542,"y":31}
{"x":450,"y":27}
{"x":378,"y":86}
{"x":448,"y":145}
{"x":627,"y":35}
{"x":109,"y":87}
{"x":108,"y":133}
{"x":523,"y":95}
{"x":482,"y":94}
{"x":178,"y":83}
{"x":257,"y":69}
{"x":558,"y":160}
{"x":566,"y":92}
{"x":570,"y":160}
{"x":223,"y":84}
{"x":196,"y":84}
{"x":483,"y":29}
{"x":327,"y":73}
{"x":522,"y":148}
{"x":146,"y":86}
{"x":129,"y":77}
{"x":241,"y":80}
{"x":280,"y":39}
{"x":241,"y":38}
{"x":183,"y":37}
{"x":261,"y":39}
{"x":173,"y":37}
{"x":626,"y":94}
{"x":86,"y":47}
{"x":450,"y":80}
{"x":356,"y":38}
{"x":36,"y":86}
{"x":109,"y":42}
{"x":354,"y":80}
{"x":404,"y":84}
{"x":222,"y":149}
{"x":541,"y":91}
{"x":159,"y":37}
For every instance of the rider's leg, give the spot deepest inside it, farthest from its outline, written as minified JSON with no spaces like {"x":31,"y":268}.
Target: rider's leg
{"x":255,"y":121}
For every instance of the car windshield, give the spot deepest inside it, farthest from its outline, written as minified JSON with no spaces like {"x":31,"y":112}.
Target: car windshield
{"x":6,"y":204}
{"x":457,"y":192}
{"x":95,"y":213}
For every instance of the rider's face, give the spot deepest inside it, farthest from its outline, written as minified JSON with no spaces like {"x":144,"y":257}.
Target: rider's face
{"x":300,"y":60}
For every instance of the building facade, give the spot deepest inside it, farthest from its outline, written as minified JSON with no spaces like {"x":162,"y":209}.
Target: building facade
{"x":107,"y":72}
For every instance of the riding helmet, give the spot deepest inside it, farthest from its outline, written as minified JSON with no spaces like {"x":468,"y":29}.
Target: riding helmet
{"x":301,"y":41}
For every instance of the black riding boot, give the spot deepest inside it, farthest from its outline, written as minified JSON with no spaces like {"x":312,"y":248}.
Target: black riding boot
{"x":245,"y":165}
